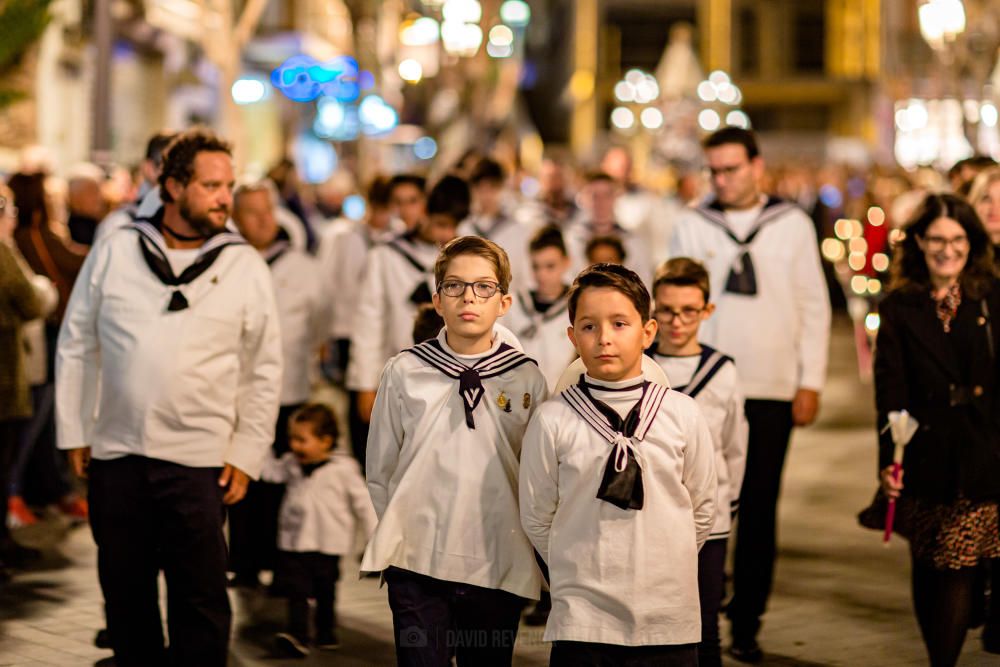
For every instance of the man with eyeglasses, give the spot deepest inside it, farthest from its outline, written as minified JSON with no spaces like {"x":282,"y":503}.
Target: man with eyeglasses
{"x":773,"y":318}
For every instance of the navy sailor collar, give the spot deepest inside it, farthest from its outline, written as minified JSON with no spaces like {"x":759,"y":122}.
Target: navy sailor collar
{"x":500,"y":359}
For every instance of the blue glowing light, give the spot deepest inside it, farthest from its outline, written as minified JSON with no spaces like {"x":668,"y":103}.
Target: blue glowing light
{"x":377,"y":117}
{"x":302,"y":78}
{"x":830,"y":196}
{"x":425,"y":148}
{"x":315,"y":159}
{"x":366,"y":80}
{"x":354,"y":207}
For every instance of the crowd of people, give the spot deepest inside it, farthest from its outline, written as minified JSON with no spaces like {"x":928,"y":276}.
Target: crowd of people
{"x":561,"y":388}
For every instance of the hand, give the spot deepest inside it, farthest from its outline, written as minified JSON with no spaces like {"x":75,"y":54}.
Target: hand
{"x":236,"y":480}
{"x":79,"y":461}
{"x":805,"y":405}
{"x":366,"y":402}
{"x":891,"y":487}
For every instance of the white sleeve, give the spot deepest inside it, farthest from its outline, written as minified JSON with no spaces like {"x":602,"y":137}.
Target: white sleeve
{"x":682,"y":240}
{"x":699,"y":475}
{"x":385,"y":439}
{"x":735,"y":433}
{"x":539,"y":484}
{"x":368,"y":328}
{"x":258,"y":392}
{"x":78,"y":356}
{"x":812,"y":301}
{"x":359,"y":499}
{"x":274,"y":470}
{"x":350,"y":258}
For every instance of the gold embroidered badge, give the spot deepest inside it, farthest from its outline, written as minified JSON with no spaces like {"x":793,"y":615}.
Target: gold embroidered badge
{"x":502,"y":401}
{"x":527,"y":401}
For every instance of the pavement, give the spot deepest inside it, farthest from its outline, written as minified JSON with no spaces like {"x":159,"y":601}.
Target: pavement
{"x":840,"y":597}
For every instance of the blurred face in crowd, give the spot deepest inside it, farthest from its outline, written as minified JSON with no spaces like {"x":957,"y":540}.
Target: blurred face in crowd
{"x":604,"y":253}
{"x":86,"y":199}
{"x":548,"y":266}
{"x":551,"y":181}
{"x":610,"y":334}
{"x":600,"y":199}
{"x":734,"y":175}
{"x":617,"y":164}
{"x":988,"y":208}
{"x":8,"y":214}
{"x":946,"y":248}
{"x":206,"y":200}
{"x":486,"y":197}
{"x":438,"y":228}
{"x":306,"y":445}
{"x":679,"y":311}
{"x":409,"y":202}
{"x":379,"y":217}
{"x":253,"y":213}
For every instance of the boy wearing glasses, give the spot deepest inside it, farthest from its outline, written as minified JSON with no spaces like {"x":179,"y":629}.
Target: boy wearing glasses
{"x":681,"y":294}
{"x":618,"y":491}
{"x":442,"y":471}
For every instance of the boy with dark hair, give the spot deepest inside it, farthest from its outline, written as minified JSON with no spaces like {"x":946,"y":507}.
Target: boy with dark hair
{"x":442,"y":472}
{"x":537,"y":316}
{"x":618,"y":491}
{"x":491,"y":221}
{"x":397,"y":280}
{"x":408,"y":197}
{"x":682,"y":303}
{"x":606,"y":250}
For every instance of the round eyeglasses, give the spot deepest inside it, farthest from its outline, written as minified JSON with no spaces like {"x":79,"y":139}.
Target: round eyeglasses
{"x":484,"y":289}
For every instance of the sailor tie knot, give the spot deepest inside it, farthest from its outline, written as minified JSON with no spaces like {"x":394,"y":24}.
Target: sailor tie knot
{"x":470,"y":386}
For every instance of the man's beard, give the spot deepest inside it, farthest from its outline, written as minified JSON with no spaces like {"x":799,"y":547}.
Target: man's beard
{"x":202,"y":223}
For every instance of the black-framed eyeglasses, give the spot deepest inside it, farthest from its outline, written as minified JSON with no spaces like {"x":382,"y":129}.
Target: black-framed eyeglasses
{"x":484,"y":289}
{"x":686,"y":315}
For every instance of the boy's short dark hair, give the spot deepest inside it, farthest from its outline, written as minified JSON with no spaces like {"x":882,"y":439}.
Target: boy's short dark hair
{"x":480,"y":247}
{"x":613,"y":242}
{"x":179,"y":156}
{"x":598,"y":177}
{"x":733,"y":135}
{"x":684,"y":272}
{"x":450,"y":196}
{"x":379,"y":192}
{"x":320,"y":417}
{"x":615,"y":276}
{"x":548,"y":236}
{"x":487,"y":170}
{"x":426,"y":324}
{"x":417,"y":181}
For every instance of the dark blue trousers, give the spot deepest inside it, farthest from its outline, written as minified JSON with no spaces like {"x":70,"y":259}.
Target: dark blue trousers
{"x":148,"y":515}
{"x":434,"y":620}
{"x":588,"y":654}
{"x":711,"y":590}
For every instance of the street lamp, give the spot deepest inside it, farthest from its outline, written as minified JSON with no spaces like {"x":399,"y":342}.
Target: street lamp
{"x":941,"y":21}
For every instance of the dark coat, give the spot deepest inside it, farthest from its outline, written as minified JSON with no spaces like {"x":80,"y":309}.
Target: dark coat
{"x":948,"y":382}
{"x":18,"y":304}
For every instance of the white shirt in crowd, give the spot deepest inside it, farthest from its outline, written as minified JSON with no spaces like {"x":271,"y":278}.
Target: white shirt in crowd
{"x":578,"y":233}
{"x":721,"y":403}
{"x":147,"y":207}
{"x":509,"y":234}
{"x":445,"y":494}
{"x":624,"y":577}
{"x":779,"y":337}
{"x":323,"y":510}
{"x":543,"y":335}
{"x":343,"y":253}
{"x":382,"y":325}
{"x":198,"y":387}
{"x":303,"y":317}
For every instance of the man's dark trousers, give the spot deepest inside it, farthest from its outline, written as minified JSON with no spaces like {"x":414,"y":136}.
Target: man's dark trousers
{"x":147,"y":515}
{"x":770,"y":425}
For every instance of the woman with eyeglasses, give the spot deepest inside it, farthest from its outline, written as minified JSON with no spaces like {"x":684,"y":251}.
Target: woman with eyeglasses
{"x":936,"y":358}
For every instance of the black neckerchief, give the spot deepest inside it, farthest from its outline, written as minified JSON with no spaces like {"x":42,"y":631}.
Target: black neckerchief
{"x":742,"y":277}
{"x":279,"y":246}
{"x":154,"y":251}
{"x":470,"y":386}
{"x":309,"y":468}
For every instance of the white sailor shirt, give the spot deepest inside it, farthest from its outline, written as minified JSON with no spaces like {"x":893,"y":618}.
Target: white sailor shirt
{"x":398,"y":277}
{"x":619,"y":576}
{"x":711,"y":379}
{"x":779,"y":337}
{"x":324,"y":506}
{"x":445,"y":492}
{"x":543,"y":335}
{"x":197,"y":385}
